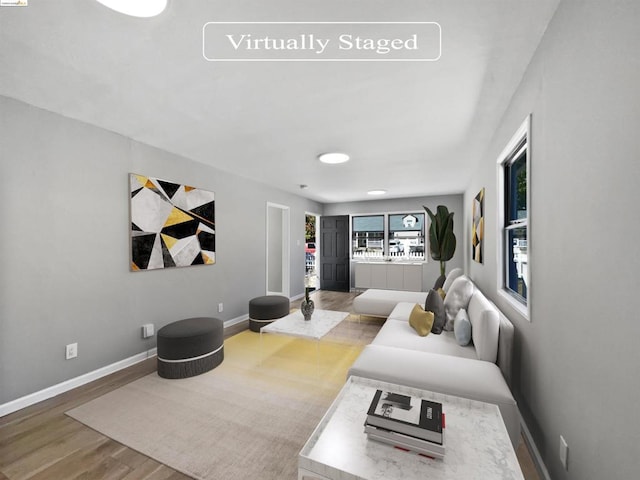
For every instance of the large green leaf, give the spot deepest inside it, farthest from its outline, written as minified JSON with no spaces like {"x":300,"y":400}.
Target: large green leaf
{"x":442,"y":240}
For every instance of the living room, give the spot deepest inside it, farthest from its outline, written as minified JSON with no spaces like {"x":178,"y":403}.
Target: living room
{"x":69,"y":140}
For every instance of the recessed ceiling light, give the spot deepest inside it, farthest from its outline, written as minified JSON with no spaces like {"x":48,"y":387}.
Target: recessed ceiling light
{"x":377,"y":192}
{"x":136,"y":8}
{"x":333,"y":158}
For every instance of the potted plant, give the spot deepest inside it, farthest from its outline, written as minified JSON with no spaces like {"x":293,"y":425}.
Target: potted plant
{"x":442,"y":240}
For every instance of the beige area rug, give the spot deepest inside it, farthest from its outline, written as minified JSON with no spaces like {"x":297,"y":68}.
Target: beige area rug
{"x":246,"y":419}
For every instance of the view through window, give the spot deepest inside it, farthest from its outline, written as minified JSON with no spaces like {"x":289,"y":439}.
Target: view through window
{"x":367,"y":235}
{"x":396,"y":235}
{"x":310,"y":252}
{"x":406,"y":235}
{"x":515,"y":233}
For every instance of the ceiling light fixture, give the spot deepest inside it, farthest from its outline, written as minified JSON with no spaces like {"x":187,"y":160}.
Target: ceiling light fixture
{"x":333,"y":157}
{"x":136,"y":8}
{"x":377,"y":192}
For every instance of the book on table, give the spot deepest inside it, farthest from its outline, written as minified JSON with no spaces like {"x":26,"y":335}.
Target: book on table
{"x":408,"y":415}
{"x":405,"y":442}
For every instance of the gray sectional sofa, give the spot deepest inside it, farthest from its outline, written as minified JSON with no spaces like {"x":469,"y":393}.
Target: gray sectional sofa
{"x":478,"y":371}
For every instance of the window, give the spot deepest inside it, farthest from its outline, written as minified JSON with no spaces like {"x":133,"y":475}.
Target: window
{"x":406,"y":235}
{"x":367,"y":237}
{"x":403,"y":236}
{"x":514,"y":163}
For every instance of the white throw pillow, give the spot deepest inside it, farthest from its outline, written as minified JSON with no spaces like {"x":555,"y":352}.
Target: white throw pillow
{"x":453,"y":274}
{"x":457,"y":297}
{"x":462,"y":328}
{"x":485,"y":325}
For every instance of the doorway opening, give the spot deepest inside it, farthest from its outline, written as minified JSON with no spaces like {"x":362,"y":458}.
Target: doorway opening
{"x":311,"y":251}
{"x":277,"y":249}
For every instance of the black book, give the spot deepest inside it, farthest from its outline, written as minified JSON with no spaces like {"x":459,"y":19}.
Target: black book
{"x":408,"y":415}
{"x":405,"y":442}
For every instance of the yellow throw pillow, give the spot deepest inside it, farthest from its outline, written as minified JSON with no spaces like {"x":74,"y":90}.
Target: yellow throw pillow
{"x":442,"y":293}
{"x":421,"y":321}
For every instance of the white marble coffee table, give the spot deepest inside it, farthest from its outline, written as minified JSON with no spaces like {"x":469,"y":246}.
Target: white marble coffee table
{"x":477,"y":442}
{"x":294,"y":324}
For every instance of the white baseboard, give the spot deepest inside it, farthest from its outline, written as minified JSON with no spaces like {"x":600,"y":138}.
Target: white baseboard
{"x":535,"y":453}
{"x":33,"y":398}
{"x":235,"y":321}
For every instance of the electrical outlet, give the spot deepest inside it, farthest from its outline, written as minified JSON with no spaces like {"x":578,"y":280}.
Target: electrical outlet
{"x":564,"y":452}
{"x":220,"y":307}
{"x":147,"y":330}
{"x":71,"y":351}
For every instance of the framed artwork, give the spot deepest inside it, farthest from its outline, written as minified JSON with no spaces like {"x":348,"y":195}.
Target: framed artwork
{"x":172,"y":225}
{"x":477,"y":229}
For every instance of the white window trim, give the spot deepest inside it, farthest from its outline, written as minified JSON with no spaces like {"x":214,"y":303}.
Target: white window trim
{"x":524,"y":130}
{"x":425,"y":257}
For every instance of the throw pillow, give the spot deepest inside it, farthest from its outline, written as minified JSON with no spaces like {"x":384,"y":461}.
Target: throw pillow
{"x":451,"y":276}
{"x":439,"y":282}
{"x":421,"y":321}
{"x":435,"y":304}
{"x":462,"y":328}
{"x":458,"y":297}
{"x":442,"y":293}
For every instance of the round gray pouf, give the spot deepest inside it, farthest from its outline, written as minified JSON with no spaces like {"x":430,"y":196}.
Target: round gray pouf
{"x":190,"y":347}
{"x":266,"y":309}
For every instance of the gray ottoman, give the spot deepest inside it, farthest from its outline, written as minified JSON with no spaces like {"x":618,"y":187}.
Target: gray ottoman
{"x":264,"y":310}
{"x":190,"y":347}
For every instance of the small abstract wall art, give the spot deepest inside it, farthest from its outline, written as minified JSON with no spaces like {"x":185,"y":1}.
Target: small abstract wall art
{"x":477,"y":229}
{"x":172,"y":225}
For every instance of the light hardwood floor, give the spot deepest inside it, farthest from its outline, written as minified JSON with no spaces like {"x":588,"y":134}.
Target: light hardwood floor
{"x":41,"y":442}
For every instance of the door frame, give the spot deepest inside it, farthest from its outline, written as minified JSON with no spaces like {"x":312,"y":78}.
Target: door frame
{"x":285,"y":236}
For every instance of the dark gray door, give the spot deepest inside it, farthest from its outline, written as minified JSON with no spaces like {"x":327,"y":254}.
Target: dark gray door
{"x":334,"y":253}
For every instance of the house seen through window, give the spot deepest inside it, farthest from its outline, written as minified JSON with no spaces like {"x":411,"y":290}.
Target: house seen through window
{"x":367,"y":235}
{"x":396,"y":235}
{"x":406,"y":235}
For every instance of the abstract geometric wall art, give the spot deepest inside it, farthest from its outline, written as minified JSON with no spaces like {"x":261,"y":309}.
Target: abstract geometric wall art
{"x":477,"y":228}
{"x":172,"y":225}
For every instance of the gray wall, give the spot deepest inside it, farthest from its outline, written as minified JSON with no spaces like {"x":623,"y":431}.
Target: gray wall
{"x":65,"y":248}
{"x":578,"y":357}
{"x":431,"y":270}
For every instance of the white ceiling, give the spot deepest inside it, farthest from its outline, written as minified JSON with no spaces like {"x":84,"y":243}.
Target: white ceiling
{"x":411,"y":128}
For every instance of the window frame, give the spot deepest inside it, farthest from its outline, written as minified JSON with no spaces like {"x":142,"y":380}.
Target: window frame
{"x":352,"y":232}
{"x":520,"y":141}
{"x":390,"y":236}
{"x":387,"y":235}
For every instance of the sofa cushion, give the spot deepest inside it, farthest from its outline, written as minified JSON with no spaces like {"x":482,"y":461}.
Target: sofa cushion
{"x":505,"y":347}
{"x":451,"y":276}
{"x":447,"y":374}
{"x":420,"y":320}
{"x":485,"y":326}
{"x":435,"y":304}
{"x":398,"y":333}
{"x":462,"y":328}
{"x":401,"y":311}
{"x":458,"y":297}
{"x":380,"y":303}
